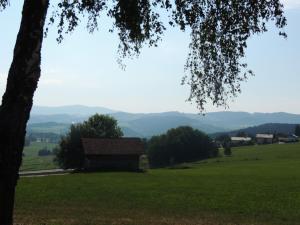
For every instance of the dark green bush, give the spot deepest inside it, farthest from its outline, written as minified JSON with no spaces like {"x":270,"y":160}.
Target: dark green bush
{"x":44,"y":152}
{"x":182,"y":144}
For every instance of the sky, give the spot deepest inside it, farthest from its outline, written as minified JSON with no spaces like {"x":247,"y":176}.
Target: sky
{"x":84,"y":70}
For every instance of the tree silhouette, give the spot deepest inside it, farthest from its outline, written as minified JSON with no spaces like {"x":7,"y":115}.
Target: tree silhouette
{"x":219,"y":30}
{"x":178,"y":145}
{"x":297,"y":130}
{"x":70,"y":152}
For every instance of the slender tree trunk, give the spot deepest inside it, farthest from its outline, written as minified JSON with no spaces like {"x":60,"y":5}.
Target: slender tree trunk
{"x":17,"y":101}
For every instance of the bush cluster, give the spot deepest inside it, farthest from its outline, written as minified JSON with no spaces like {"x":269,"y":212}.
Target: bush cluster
{"x":44,"y":152}
{"x":178,"y":145}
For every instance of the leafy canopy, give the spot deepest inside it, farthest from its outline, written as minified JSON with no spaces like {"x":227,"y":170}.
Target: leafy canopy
{"x":219,"y":30}
{"x":297,"y":130}
{"x":70,"y":153}
{"x":178,"y":145}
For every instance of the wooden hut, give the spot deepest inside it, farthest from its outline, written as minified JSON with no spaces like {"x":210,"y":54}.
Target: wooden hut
{"x":264,"y":138}
{"x":112,"y":153}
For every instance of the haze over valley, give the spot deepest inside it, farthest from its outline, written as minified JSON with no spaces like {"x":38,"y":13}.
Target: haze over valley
{"x":58,"y":119}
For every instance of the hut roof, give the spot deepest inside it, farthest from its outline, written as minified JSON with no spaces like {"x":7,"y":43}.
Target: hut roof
{"x":112,"y":146}
{"x":241,"y":138}
{"x":266,"y":136}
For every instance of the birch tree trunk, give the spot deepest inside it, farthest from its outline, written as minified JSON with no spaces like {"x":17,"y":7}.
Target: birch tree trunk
{"x":17,"y":101}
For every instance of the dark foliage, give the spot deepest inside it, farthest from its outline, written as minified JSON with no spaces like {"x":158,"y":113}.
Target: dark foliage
{"x":297,"y":130}
{"x":44,"y":152}
{"x":182,"y":144}
{"x":3,"y":4}
{"x":223,"y":138}
{"x":70,"y":154}
{"x":227,"y":149}
{"x":219,"y":32}
{"x":241,"y":134}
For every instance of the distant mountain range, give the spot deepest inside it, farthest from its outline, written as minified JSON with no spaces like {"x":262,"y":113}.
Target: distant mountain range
{"x":268,"y":128}
{"x":58,"y":119}
{"x":71,"y":109}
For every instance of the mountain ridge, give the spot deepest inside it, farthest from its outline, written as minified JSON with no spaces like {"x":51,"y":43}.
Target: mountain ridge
{"x":149,"y":124}
{"x":267,"y":128}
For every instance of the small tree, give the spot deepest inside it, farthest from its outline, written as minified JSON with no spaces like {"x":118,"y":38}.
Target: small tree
{"x":44,"y":152}
{"x":223,"y":138}
{"x":227,"y":149}
{"x":69,"y":153}
{"x":297,"y":130}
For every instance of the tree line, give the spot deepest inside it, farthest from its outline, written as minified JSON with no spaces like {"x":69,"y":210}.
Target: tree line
{"x":178,"y":145}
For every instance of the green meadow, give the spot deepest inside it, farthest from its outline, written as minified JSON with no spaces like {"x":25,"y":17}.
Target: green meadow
{"x":257,"y":185}
{"x":31,"y":159}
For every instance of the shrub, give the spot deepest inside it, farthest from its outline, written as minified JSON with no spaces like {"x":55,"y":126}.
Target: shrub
{"x":144,"y":163}
{"x":182,"y":144}
{"x":44,"y":152}
{"x":227,"y":150}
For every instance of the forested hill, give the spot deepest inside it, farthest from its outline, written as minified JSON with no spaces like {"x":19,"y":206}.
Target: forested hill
{"x":148,"y":124}
{"x":270,"y":128}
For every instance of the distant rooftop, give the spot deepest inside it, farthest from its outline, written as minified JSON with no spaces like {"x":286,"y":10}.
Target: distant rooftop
{"x":112,"y":146}
{"x":241,"y":138}
{"x":267,"y":136}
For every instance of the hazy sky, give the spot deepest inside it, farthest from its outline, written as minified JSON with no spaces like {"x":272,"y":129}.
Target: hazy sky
{"x":83,"y":70}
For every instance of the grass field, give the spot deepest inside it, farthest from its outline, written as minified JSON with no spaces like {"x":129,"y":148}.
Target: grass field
{"x":257,"y":185}
{"x":31,"y":160}
{"x":50,"y":127}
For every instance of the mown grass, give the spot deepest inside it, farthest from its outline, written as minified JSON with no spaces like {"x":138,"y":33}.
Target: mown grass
{"x":257,"y":185}
{"x":31,"y":160}
{"x":51,"y":127}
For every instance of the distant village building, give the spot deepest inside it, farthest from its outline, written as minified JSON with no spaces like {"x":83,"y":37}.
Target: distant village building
{"x":264,"y":138}
{"x":115,"y":153}
{"x":240,"y":139}
{"x":236,"y":141}
{"x":288,"y":138}
{"x":47,"y":140}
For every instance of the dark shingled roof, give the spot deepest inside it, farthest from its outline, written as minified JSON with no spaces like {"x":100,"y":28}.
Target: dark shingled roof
{"x":112,"y":146}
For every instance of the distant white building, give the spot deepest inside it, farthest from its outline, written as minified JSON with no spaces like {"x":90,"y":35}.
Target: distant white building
{"x":240,"y":139}
{"x":288,"y":138}
{"x":264,"y":138}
